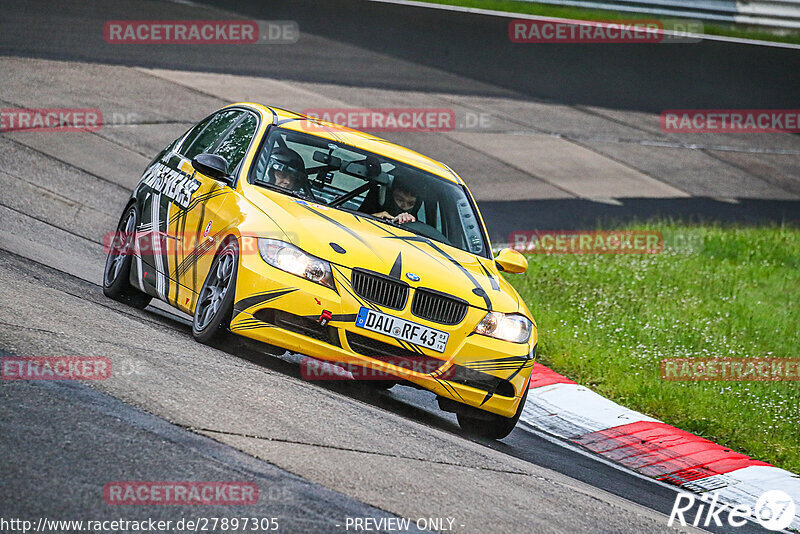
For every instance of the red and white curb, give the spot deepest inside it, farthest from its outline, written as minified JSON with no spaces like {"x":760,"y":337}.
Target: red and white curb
{"x":560,"y":407}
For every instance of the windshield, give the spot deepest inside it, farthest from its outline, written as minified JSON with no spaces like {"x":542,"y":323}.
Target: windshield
{"x":347,"y":178}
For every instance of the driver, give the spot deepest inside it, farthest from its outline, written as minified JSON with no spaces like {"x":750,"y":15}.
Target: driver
{"x":402,"y":202}
{"x":286,"y":169}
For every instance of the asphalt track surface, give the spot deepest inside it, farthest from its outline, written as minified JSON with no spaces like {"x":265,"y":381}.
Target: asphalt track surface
{"x":320,"y":452}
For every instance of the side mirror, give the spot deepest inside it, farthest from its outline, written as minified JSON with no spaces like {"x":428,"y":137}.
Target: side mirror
{"x":214,"y":166}
{"x":511,"y":261}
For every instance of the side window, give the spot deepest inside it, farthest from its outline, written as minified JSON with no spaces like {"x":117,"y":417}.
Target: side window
{"x":193,"y":133}
{"x":235,"y":144}
{"x":210,"y":134}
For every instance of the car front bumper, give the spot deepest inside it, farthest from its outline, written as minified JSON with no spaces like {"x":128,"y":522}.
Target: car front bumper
{"x":281,"y":309}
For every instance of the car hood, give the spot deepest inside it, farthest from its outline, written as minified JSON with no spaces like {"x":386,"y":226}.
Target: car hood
{"x":369,"y":244}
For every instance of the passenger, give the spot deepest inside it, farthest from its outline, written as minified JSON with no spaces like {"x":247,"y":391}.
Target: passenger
{"x":402,"y":202}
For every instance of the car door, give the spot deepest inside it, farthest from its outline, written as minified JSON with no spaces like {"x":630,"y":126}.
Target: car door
{"x":182,"y":210}
{"x":166,"y":191}
{"x":212,"y":213}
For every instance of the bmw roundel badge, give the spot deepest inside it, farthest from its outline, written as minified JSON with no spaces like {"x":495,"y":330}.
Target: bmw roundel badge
{"x":413,"y":277}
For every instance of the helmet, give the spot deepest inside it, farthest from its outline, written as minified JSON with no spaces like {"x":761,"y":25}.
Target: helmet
{"x":287,"y":161}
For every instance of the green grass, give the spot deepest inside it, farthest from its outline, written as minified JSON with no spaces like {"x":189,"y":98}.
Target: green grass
{"x":531,"y":8}
{"x":606,"y":321}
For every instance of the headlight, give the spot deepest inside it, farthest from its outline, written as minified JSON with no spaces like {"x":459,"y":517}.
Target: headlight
{"x":514,"y":328}
{"x":291,"y":259}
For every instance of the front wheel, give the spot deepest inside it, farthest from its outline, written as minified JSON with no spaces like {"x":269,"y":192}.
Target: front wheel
{"x":491,"y":426}
{"x":117,"y":272}
{"x":212,"y":315}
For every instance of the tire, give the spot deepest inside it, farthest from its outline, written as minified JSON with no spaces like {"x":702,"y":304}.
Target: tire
{"x":117,"y":271}
{"x":491,"y":426}
{"x":212,"y":314}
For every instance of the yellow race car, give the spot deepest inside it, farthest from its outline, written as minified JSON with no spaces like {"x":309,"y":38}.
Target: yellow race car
{"x":335,"y":244}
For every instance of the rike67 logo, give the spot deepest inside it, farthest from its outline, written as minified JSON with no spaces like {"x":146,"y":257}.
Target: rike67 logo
{"x":774,"y":510}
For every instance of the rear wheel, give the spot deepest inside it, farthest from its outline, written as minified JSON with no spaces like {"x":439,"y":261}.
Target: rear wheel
{"x":212,"y":315}
{"x":117,"y":272}
{"x":490,"y":425}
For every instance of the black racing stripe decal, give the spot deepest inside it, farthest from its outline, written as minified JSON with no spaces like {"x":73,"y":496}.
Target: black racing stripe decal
{"x":178,"y":244}
{"x":180,"y":228}
{"x":203,"y":247}
{"x":408,"y":239}
{"x":184,"y":219}
{"x":416,"y":348}
{"x":237,"y":313}
{"x":496,"y":368}
{"x":468,"y":274}
{"x":489,"y":395}
{"x":495,"y":284}
{"x":397,"y":268}
{"x":190,"y":259}
{"x":452,"y":260}
{"x":507,"y":359}
{"x":197,"y":200}
{"x":163,"y":216}
{"x":410,"y":346}
{"x":239,"y":328}
{"x":339,"y":225}
{"x":197,"y":233}
{"x":450,"y":389}
{"x":515,"y":373}
{"x":345,"y":283}
{"x":246,"y":322}
{"x":498,"y":365}
{"x":512,"y":361}
{"x":514,"y":370}
{"x":261,"y":298}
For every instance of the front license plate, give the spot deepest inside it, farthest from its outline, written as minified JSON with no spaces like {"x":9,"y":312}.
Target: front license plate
{"x":401,"y":329}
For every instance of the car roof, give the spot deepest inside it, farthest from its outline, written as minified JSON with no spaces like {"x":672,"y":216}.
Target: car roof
{"x":342,"y":134}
